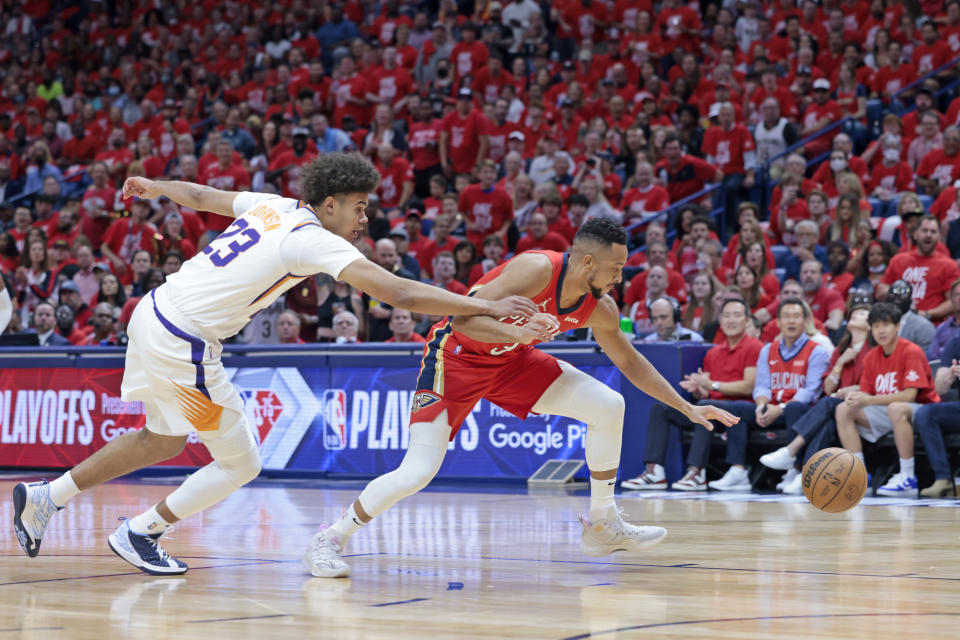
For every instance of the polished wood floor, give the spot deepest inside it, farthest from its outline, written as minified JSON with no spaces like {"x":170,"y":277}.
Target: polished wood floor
{"x":449,"y":564}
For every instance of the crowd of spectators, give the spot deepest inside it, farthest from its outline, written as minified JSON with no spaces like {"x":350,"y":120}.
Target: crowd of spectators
{"x":498,"y":127}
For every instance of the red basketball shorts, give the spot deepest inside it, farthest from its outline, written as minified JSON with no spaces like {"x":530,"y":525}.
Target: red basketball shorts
{"x":454,"y":381}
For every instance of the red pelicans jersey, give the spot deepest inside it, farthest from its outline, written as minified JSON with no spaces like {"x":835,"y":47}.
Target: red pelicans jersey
{"x":457,"y":371}
{"x":788,"y":376}
{"x":547,"y":301}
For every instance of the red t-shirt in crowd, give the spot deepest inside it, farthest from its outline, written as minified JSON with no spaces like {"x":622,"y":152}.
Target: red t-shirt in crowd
{"x":464,"y":139}
{"x":889,"y":80}
{"x":726,"y":364}
{"x":930,"y":276}
{"x":895,"y":179}
{"x":469,"y":58}
{"x":825,"y":301}
{"x":94,"y":198}
{"x":727,"y":148}
{"x":125,"y":239}
{"x":640,"y":202}
{"x":550,"y":242}
{"x":637,"y":289}
{"x":391,"y":84}
{"x":937,"y":165}
{"x":905,"y":368}
{"x":945,"y":206}
{"x":687,"y":178}
{"x":391,"y":181}
{"x":927,"y":57}
{"x":290,"y":179}
{"x":424,"y":144}
{"x":489,"y":209}
{"x":233,"y":178}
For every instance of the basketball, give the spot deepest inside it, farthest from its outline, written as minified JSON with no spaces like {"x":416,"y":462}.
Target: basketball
{"x":834,"y":480}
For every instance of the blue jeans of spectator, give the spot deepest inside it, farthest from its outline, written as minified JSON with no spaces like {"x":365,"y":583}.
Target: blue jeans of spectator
{"x":738,"y":433}
{"x":817,"y":426}
{"x":661,"y":419}
{"x":930,"y":421}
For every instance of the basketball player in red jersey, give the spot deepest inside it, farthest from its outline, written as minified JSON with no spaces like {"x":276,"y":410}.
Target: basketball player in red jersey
{"x":465,"y":361}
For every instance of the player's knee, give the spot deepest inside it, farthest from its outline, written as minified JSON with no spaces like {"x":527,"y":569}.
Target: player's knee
{"x":607,"y":408}
{"x":236,"y":451}
{"x":243,"y":468}
{"x":899,"y":412}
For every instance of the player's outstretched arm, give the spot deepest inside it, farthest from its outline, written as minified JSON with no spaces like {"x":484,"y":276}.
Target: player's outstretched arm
{"x":187,"y":194}
{"x":605,"y":322}
{"x":525,"y":275}
{"x":423,"y":298}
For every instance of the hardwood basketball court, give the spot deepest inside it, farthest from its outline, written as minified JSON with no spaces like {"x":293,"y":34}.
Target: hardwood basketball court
{"x":448,"y":563}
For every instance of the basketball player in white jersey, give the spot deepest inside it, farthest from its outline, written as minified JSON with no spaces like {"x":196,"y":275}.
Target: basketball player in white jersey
{"x":173,"y":356}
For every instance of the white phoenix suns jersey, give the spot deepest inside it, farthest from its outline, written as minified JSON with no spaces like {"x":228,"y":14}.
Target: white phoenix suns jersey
{"x":274,"y":243}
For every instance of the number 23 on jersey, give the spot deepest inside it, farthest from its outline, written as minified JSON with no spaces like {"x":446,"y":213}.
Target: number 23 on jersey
{"x":221,"y":253}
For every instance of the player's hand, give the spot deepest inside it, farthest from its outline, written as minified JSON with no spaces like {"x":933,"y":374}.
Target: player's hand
{"x":512,"y":306}
{"x":541,"y":326}
{"x":703,"y":414}
{"x":142,"y":188}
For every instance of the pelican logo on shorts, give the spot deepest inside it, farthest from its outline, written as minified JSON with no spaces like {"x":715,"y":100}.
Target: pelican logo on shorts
{"x":334,"y":419}
{"x":423,"y":399}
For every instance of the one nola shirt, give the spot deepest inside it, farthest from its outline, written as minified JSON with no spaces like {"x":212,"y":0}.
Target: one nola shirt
{"x":905,"y":368}
{"x":547,"y":301}
{"x":273,"y":244}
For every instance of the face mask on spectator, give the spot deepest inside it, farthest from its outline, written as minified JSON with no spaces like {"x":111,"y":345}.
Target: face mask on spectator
{"x":891,"y":155}
{"x":838,"y":164}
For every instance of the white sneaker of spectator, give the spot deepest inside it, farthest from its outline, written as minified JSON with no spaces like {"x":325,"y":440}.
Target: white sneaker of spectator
{"x":899,"y":485}
{"x":787,"y":478}
{"x":653,"y":477}
{"x":694,"y":480}
{"x":780,"y":459}
{"x":795,"y":486}
{"x":735,"y":479}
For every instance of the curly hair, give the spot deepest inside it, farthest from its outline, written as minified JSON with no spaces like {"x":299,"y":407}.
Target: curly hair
{"x":337,"y":174}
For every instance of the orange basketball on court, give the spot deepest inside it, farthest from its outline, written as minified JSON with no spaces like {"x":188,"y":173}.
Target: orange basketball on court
{"x":834,"y":480}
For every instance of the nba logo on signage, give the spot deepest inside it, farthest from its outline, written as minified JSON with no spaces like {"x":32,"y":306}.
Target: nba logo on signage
{"x":335,"y":419}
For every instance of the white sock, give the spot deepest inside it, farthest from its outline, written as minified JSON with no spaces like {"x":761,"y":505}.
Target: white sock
{"x":346,"y":526}
{"x":62,"y":489}
{"x":860,"y":456}
{"x":601,"y":498}
{"x":149,"y":523}
{"x":906,"y":466}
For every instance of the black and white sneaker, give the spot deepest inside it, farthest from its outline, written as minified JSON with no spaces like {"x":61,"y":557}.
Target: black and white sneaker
{"x":144,"y":552}
{"x":32,"y":508}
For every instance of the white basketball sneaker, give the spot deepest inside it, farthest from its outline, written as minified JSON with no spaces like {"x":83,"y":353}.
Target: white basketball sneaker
{"x":653,"y":477}
{"x":322,"y":557}
{"x":32,"y":508}
{"x":609,"y":535}
{"x":781,"y":459}
{"x":789,"y":476}
{"x":695,"y":479}
{"x":735,"y":479}
{"x":144,"y":551}
{"x":795,"y":486}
